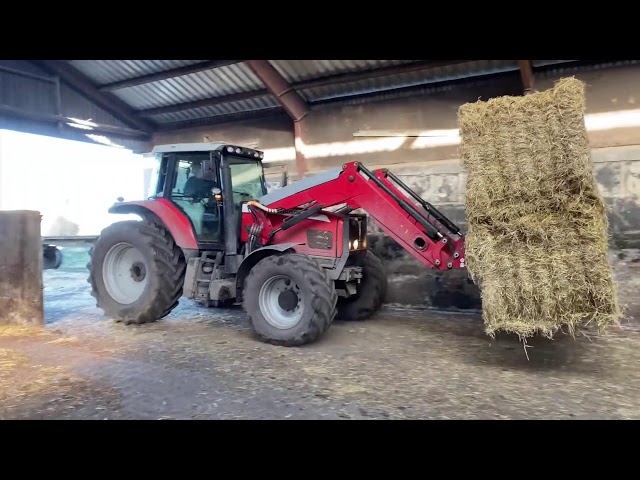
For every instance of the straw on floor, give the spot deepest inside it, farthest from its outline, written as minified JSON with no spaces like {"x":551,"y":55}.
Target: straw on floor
{"x":537,"y":235}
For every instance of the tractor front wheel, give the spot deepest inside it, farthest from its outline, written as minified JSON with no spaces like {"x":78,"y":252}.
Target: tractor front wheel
{"x":136,"y":272}
{"x":370,"y":294}
{"x":289,"y":299}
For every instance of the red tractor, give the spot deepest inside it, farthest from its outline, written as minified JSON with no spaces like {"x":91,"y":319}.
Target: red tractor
{"x":296,"y":258}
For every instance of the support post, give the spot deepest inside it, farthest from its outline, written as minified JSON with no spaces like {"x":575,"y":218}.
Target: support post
{"x":21,"y":299}
{"x":526,"y":74}
{"x":301,"y":160}
{"x":289,"y":98}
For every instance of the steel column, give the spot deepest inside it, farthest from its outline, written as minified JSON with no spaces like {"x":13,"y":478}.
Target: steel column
{"x":289,"y":98}
{"x":526,"y":74}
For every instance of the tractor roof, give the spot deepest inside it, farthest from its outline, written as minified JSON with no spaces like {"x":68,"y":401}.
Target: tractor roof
{"x":209,"y":147}
{"x":189,"y":147}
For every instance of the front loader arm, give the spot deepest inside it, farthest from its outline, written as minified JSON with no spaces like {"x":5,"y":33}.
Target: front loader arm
{"x":421,"y":229}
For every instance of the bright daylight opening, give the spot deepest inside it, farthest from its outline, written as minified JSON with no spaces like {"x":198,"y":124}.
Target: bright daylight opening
{"x":71,"y":183}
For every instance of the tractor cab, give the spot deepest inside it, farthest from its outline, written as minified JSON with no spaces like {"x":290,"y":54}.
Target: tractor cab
{"x":208,"y":182}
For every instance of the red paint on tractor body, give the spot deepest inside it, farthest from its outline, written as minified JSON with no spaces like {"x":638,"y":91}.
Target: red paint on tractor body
{"x":173,"y":218}
{"x":323,"y":221}
{"x":354,"y":189}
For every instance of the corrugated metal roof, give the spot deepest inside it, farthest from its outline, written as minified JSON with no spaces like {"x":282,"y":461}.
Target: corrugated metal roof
{"x":299,"y":70}
{"x":254,"y":104}
{"x":567,"y":69}
{"x":108,"y":71}
{"x":421,"y":77}
{"x":239,"y":78}
{"x":206,"y":84}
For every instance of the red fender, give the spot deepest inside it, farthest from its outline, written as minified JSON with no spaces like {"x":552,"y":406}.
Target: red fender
{"x":173,"y":218}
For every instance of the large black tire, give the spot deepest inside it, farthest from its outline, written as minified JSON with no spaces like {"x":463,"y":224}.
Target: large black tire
{"x":317,"y":295}
{"x":52,"y":258}
{"x":371,"y":291}
{"x":163,"y":272}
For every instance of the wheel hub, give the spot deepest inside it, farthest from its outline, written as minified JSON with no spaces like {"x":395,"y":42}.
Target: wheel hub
{"x":138,"y":271}
{"x":288,"y":300}
{"x":281,"y":302}
{"x":124,"y":273}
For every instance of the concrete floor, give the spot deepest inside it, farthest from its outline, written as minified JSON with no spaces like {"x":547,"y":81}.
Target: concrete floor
{"x":205,"y":364}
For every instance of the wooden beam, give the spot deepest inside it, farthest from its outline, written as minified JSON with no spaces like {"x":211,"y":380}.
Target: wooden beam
{"x":164,"y":75}
{"x":526,"y":74}
{"x":82,"y":84}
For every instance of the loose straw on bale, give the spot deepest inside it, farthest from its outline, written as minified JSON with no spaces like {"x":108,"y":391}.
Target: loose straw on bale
{"x":537,"y":236}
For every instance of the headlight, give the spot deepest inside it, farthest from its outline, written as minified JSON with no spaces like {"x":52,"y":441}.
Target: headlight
{"x":350,"y":244}
{"x":355,"y":244}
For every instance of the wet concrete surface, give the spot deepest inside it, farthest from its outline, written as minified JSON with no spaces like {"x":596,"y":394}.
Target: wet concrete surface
{"x":203,"y":363}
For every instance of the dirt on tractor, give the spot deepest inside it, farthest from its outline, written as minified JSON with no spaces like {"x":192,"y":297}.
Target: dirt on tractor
{"x":201,"y":363}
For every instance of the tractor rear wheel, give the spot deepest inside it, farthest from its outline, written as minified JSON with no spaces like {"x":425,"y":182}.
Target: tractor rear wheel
{"x":136,"y":272}
{"x":289,"y":299}
{"x":371,"y":291}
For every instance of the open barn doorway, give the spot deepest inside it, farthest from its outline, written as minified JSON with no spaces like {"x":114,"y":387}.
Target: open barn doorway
{"x":72,"y":184}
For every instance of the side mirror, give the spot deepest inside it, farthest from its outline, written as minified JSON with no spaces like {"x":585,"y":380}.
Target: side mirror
{"x":120,"y":199}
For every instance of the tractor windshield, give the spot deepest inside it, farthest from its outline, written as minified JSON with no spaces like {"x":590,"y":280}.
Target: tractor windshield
{"x":247,"y":178}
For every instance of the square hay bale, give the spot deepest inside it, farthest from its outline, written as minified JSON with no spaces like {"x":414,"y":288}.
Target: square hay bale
{"x":537,"y":237}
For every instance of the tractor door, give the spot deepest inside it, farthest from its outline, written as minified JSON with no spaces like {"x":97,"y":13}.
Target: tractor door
{"x":247,"y":178}
{"x":195,"y":178}
{"x":242,"y":180}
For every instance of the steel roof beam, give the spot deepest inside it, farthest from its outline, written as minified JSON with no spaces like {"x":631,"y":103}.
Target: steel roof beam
{"x":107,"y":101}
{"x":247,"y":115}
{"x":335,"y":79}
{"x":69,"y":122}
{"x":207,"y":102}
{"x":338,"y":78}
{"x":166,"y":74}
